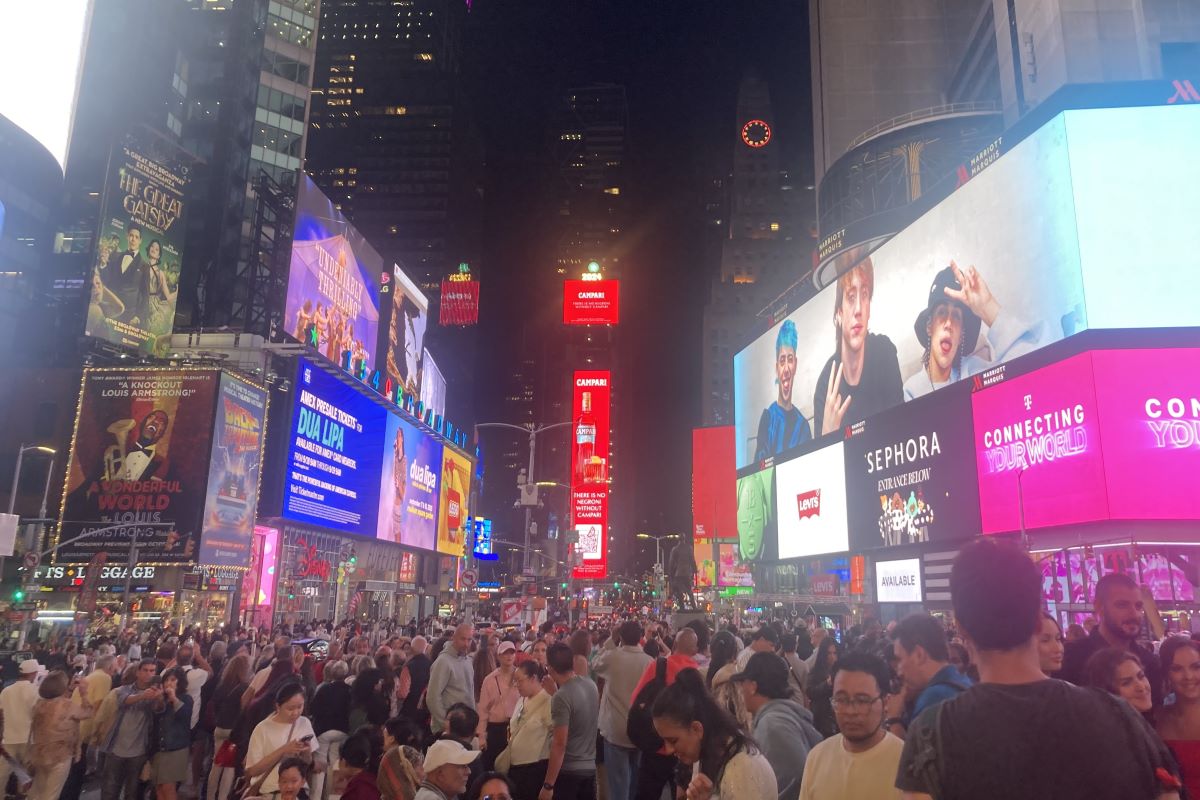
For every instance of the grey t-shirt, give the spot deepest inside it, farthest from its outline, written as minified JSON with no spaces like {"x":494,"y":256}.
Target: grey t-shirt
{"x":576,"y":704}
{"x":130,"y":737}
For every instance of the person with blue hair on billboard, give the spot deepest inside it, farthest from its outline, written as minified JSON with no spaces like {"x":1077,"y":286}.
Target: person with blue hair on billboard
{"x":781,"y":426}
{"x":948,"y":328}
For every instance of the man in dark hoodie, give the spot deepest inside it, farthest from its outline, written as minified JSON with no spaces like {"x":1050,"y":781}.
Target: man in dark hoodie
{"x":862,"y":377}
{"x":783,"y":727}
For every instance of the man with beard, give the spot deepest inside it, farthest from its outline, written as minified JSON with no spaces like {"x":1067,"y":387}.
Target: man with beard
{"x":862,"y":377}
{"x":1119,"y":608}
{"x":948,"y":329}
{"x":782,"y":426}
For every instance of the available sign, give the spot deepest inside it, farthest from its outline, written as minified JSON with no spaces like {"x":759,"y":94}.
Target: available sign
{"x":591,"y":302}
{"x":898,"y":581}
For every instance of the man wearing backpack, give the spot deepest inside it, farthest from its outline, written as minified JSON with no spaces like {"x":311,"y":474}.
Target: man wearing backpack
{"x":923,"y":664}
{"x":658,"y":768}
{"x":621,"y":663}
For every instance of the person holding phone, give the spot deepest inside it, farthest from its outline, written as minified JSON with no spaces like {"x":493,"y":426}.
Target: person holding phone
{"x":284,"y":733}
{"x":170,"y":762}
{"x":725,"y":763}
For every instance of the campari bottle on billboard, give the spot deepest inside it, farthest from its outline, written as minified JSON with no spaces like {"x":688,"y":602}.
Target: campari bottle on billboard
{"x":589,"y":469}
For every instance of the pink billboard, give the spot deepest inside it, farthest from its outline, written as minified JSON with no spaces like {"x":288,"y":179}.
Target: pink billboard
{"x":1149,"y":404}
{"x":1110,"y":434}
{"x":1042,"y":430}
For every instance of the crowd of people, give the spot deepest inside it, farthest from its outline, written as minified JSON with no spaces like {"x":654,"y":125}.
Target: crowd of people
{"x":998,"y":705}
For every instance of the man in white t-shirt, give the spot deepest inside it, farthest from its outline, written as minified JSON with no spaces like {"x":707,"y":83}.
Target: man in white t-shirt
{"x":862,"y":760}
{"x":16,"y":715}
{"x":765,"y":640}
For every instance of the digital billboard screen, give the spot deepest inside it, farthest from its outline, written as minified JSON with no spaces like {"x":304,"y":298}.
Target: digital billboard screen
{"x":955,"y":293}
{"x":433,"y":386}
{"x":408,"y":320}
{"x":334,"y":454}
{"x":590,"y":410}
{"x":591,"y":302}
{"x":898,"y":581}
{"x":453,"y":512}
{"x":333,"y":290}
{"x":140,"y":243}
{"x":731,"y":571}
{"x":810,"y":501}
{"x":905,"y":476}
{"x":947,"y":297}
{"x":714,"y":502}
{"x":704,"y":556}
{"x":233,"y":473}
{"x":138,"y":464}
{"x":757,"y":526}
{"x":410,"y":485}
{"x":460,"y":302}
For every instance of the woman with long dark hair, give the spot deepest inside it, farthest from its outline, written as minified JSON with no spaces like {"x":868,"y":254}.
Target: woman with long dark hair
{"x":820,"y":687}
{"x":725,"y":761}
{"x":721,"y":668}
{"x":1179,"y":723}
{"x":1120,"y":672}
{"x":282,"y":734}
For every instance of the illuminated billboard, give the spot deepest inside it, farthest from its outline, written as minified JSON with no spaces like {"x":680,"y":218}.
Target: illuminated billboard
{"x":590,"y":410}
{"x":409,"y":488}
{"x":706,"y":563}
{"x":333,"y":284}
{"x":591,"y":302}
{"x":453,"y":512}
{"x":898,"y":581}
{"x":233,"y":473}
{"x":1109,"y":434}
{"x":714,"y":503}
{"x":407,"y":322}
{"x":138,"y":465}
{"x":140,"y":243}
{"x":810,"y":502}
{"x":41,"y":47}
{"x":990,"y":273}
{"x":335,"y":454}
{"x":731,"y":571}
{"x":433,"y":386}
{"x":459,"y":302}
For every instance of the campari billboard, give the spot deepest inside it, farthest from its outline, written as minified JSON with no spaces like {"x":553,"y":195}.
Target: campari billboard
{"x":333,"y":295}
{"x":591,"y":302}
{"x":1107,"y":434}
{"x":590,"y":411}
{"x":990,"y":273}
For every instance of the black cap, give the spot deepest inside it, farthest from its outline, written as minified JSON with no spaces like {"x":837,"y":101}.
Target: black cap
{"x":937,"y":294}
{"x":769,"y":671}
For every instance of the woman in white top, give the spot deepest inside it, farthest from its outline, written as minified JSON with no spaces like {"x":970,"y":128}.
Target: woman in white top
{"x":285,"y":733}
{"x":725,"y":764}
{"x":530,"y":732}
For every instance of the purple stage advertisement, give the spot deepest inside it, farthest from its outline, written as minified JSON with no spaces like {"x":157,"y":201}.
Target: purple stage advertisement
{"x":333,"y":285}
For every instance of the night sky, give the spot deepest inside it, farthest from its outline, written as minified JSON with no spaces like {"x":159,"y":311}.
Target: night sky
{"x":680,"y":64}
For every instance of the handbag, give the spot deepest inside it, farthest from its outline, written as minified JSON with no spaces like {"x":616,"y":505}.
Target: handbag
{"x":226,"y":755}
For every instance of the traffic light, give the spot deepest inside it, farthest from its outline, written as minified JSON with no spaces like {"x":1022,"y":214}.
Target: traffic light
{"x":18,"y":595}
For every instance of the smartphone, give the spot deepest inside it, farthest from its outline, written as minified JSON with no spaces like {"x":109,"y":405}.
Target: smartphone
{"x":156,"y":680}
{"x":306,"y":738}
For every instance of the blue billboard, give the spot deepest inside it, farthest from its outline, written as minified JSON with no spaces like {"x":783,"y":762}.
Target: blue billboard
{"x":335,"y":454}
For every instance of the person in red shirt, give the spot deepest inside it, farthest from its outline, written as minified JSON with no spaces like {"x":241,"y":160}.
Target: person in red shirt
{"x":658,"y":769}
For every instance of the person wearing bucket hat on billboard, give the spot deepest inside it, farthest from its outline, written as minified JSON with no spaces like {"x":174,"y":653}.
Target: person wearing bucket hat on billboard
{"x":948,"y":328}
{"x":782,"y":426}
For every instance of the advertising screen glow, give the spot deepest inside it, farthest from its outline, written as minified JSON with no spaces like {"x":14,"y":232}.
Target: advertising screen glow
{"x":714,"y":503}
{"x":333,"y":284}
{"x":407,"y":323}
{"x":898,"y":581}
{"x":410,"y":485}
{"x":589,"y":469}
{"x":810,"y":499}
{"x":453,"y":512}
{"x":591,"y":302}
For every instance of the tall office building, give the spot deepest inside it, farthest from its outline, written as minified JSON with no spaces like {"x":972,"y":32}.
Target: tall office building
{"x":393,"y":144}
{"x":765,"y":245}
{"x":931,"y":83}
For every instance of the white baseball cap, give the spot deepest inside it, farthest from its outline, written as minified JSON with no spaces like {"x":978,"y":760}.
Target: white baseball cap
{"x":444,"y":752}
{"x":29,"y":666}
{"x":506,"y":647}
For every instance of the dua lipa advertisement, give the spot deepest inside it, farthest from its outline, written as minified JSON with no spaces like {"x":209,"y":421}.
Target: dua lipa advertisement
{"x":139,"y":456}
{"x":139,"y":243}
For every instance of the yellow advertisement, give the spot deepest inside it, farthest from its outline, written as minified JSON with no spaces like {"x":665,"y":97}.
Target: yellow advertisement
{"x":452,"y":510}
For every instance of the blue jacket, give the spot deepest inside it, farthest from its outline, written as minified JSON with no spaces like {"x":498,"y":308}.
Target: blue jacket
{"x":175,"y":725}
{"x":947,"y":682}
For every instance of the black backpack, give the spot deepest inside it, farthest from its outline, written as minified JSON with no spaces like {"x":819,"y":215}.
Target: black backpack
{"x":640,"y":726}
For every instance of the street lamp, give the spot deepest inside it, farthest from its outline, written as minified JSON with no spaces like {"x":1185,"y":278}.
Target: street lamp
{"x":532,"y":430}
{"x":30,"y":448}
{"x":658,"y":540}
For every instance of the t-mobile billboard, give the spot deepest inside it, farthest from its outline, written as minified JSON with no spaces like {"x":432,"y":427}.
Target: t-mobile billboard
{"x":1110,"y":434}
